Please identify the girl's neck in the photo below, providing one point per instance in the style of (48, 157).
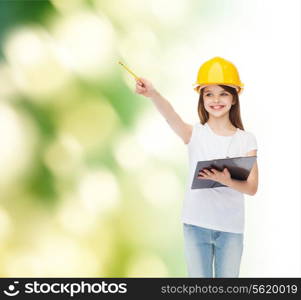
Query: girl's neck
(222, 125)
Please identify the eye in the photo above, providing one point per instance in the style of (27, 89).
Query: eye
(224, 94)
(208, 94)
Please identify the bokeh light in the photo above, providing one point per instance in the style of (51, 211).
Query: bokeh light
(91, 122)
(88, 54)
(99, 192)
(30, 53)
(17, 144)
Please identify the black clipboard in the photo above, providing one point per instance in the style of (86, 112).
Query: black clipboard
(239, 168)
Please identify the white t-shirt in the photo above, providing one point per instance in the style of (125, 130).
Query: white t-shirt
(220, 208)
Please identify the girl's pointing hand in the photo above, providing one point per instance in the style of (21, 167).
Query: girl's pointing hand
(224, 177)
(144, 87)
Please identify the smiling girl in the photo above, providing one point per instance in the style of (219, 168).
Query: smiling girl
(213, 218)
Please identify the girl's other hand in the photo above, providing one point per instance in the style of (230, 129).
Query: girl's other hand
(145, 88)
(224, 177)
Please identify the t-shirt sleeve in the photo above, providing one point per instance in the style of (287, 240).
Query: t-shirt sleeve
(251, 142)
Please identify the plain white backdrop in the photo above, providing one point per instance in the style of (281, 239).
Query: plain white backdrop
(272, 110)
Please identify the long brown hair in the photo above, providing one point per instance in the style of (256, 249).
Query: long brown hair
(234, 114)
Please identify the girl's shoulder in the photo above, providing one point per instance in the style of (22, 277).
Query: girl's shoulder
(249, 139)
(247, 133)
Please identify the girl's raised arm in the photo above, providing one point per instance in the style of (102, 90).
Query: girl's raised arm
(182, 129)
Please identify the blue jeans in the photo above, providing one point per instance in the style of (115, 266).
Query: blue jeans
(203, 246)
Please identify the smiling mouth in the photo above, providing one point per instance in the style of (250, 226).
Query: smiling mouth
(217, 107)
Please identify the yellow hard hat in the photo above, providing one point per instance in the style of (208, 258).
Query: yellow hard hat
(218, 71)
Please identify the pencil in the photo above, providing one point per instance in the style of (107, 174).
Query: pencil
(131, 72)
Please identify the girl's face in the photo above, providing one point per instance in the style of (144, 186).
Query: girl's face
(217, 101)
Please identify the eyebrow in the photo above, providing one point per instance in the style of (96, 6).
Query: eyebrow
(211, 91)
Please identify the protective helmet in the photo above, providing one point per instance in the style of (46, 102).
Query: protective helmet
(218, 71)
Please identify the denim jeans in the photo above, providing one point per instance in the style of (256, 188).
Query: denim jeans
(205, 248)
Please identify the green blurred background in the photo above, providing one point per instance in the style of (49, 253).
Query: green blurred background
(92, 178)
